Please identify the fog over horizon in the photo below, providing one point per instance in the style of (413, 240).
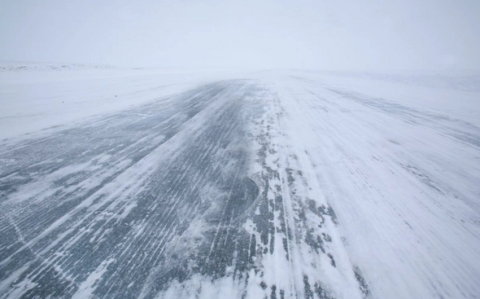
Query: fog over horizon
(305, 34)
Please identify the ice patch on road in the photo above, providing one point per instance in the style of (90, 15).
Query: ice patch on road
(86, 288)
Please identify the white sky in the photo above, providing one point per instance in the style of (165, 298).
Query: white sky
(313, 34)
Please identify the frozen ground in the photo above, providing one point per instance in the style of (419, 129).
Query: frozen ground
(264, 185)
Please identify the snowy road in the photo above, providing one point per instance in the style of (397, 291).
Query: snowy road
(281, 186)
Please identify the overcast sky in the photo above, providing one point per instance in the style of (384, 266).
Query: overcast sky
(310, 34)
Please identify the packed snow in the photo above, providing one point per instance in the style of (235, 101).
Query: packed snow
(154, 183)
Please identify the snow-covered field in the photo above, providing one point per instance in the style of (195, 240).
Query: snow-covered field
(40, 96)
(144, 183)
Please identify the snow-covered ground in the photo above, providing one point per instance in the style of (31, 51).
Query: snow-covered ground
(272, 184)
(37, 96)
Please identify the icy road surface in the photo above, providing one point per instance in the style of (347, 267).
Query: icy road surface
(286, 186)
